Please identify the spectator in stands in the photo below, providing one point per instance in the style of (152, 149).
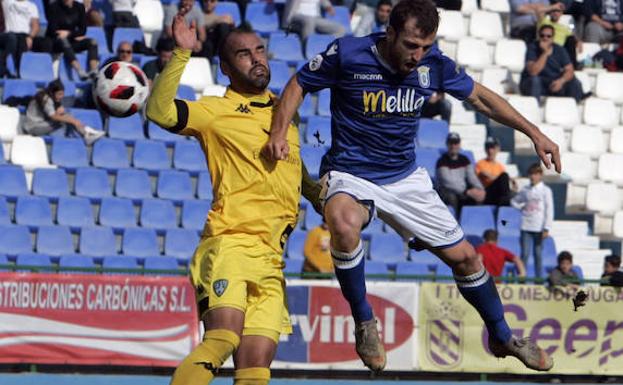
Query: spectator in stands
(123, 15)
(605, 21)
(305, 17)
(562, 274)
(494, 257)
(456, 178)
(563, 36)
(216, 26)
(21, 26)
(612, 276)
(437, 105)
(317, 251)
(374, 16)
(524, 15)
(165, 48)
(124, 53)
(493, 176)
(194, 15)
(66, 34)
(95, 18)
(537, 214)
(548, 69)
(45, 114)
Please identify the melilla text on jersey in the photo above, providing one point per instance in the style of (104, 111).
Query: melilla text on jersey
(405, 102)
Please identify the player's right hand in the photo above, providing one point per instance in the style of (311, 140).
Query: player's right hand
(276, 148)
(548, 151)
(185, 36)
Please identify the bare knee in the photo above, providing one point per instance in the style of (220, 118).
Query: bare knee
(345, 220)
(255, 352)
(462, 258)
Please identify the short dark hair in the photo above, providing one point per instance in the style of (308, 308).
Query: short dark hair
(613, 260)
(55, 86)
(565, 256)
(242, 28)
(547, 26)
(490, 235)
(165, 44)
(535, 168)
(384, 2)
(424, 11)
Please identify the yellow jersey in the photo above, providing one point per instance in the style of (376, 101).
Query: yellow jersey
(252, 196)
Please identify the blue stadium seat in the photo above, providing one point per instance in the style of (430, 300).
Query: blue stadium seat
(155, 132)
(158, 214)
(15, 240)
(228, 8)
(293, 266)
(69, 153)
(186, 92)
(204, 186)
(121, 263)
(263, 17)
(510, 243)
(4, 261)
(549, 252)
(110, 154)
(387, 247)
(175, 185)
(317, 43)
(140, 242)
(16, 90)
(37, 66)
(33, 211)
(412, 268)
(324, 102)
(5, 215)
(296, 245)
(151, 155)
(285, 47)
(91, 118)
(311, 157)
(2, 160)
(221, 78)
(318, 131)
(99, 35)
(76, 261)
(33, 259)
(425, 257)
(51, 183)
(279, 75)
(376, 226)
(75, 212)
(475, 240)
(427, 158)
(374, 268)
(92, 183)
(476, 219)
(146, 59)
(306, 109)
(129, 129)
(508, 221)
(189, 156)
(133, 184)
(97, 241)
(117, 213)
(160, 263)
(342, 16)
(432, 133)
(443, 270)
(12, 182)
(126, 34)
(312, 218)
(54, 241)
(181, 243)
(195, 214)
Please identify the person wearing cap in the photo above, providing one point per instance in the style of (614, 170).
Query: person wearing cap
(493, 176)
(457, 183)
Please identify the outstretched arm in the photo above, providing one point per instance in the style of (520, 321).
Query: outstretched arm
(277, 147)
(494, 106)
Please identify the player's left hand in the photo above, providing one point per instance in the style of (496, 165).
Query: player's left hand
(548, 151)
(276, 148)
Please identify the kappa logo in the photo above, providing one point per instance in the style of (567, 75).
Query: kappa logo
(243, 108)
(444, 337)
(219, 286)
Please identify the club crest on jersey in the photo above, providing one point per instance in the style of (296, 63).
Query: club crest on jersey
(424, 76)
(315, 63)
(219, 286)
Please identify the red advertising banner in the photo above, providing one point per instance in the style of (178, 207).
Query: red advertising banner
(96, 319)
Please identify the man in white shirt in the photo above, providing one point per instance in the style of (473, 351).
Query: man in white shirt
(21, 19)
(537, 214)
(305, 17)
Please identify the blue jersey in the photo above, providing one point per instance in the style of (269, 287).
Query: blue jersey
(374, 111)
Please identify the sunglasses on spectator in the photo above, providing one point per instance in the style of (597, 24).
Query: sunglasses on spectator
(543, 35)
(125, 51)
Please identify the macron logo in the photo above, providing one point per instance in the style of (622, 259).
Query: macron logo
(368, 76)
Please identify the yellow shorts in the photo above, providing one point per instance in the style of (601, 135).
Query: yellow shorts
(241, 272)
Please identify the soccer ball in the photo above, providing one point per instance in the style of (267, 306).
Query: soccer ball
(120, 89)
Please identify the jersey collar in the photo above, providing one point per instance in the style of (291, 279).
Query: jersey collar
(264, 99)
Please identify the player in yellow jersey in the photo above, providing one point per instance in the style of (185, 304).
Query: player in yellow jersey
(237, 267)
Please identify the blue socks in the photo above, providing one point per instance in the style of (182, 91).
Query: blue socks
(480, 291)
(349, 269)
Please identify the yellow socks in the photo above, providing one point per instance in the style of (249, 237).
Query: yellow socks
(252, 376)
(199, 366)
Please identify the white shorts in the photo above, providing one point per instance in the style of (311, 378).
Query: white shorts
(410, 206)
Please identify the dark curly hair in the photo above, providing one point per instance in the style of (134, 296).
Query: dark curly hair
(424, 11)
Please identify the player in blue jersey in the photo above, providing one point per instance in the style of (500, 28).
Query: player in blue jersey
(378, 86)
